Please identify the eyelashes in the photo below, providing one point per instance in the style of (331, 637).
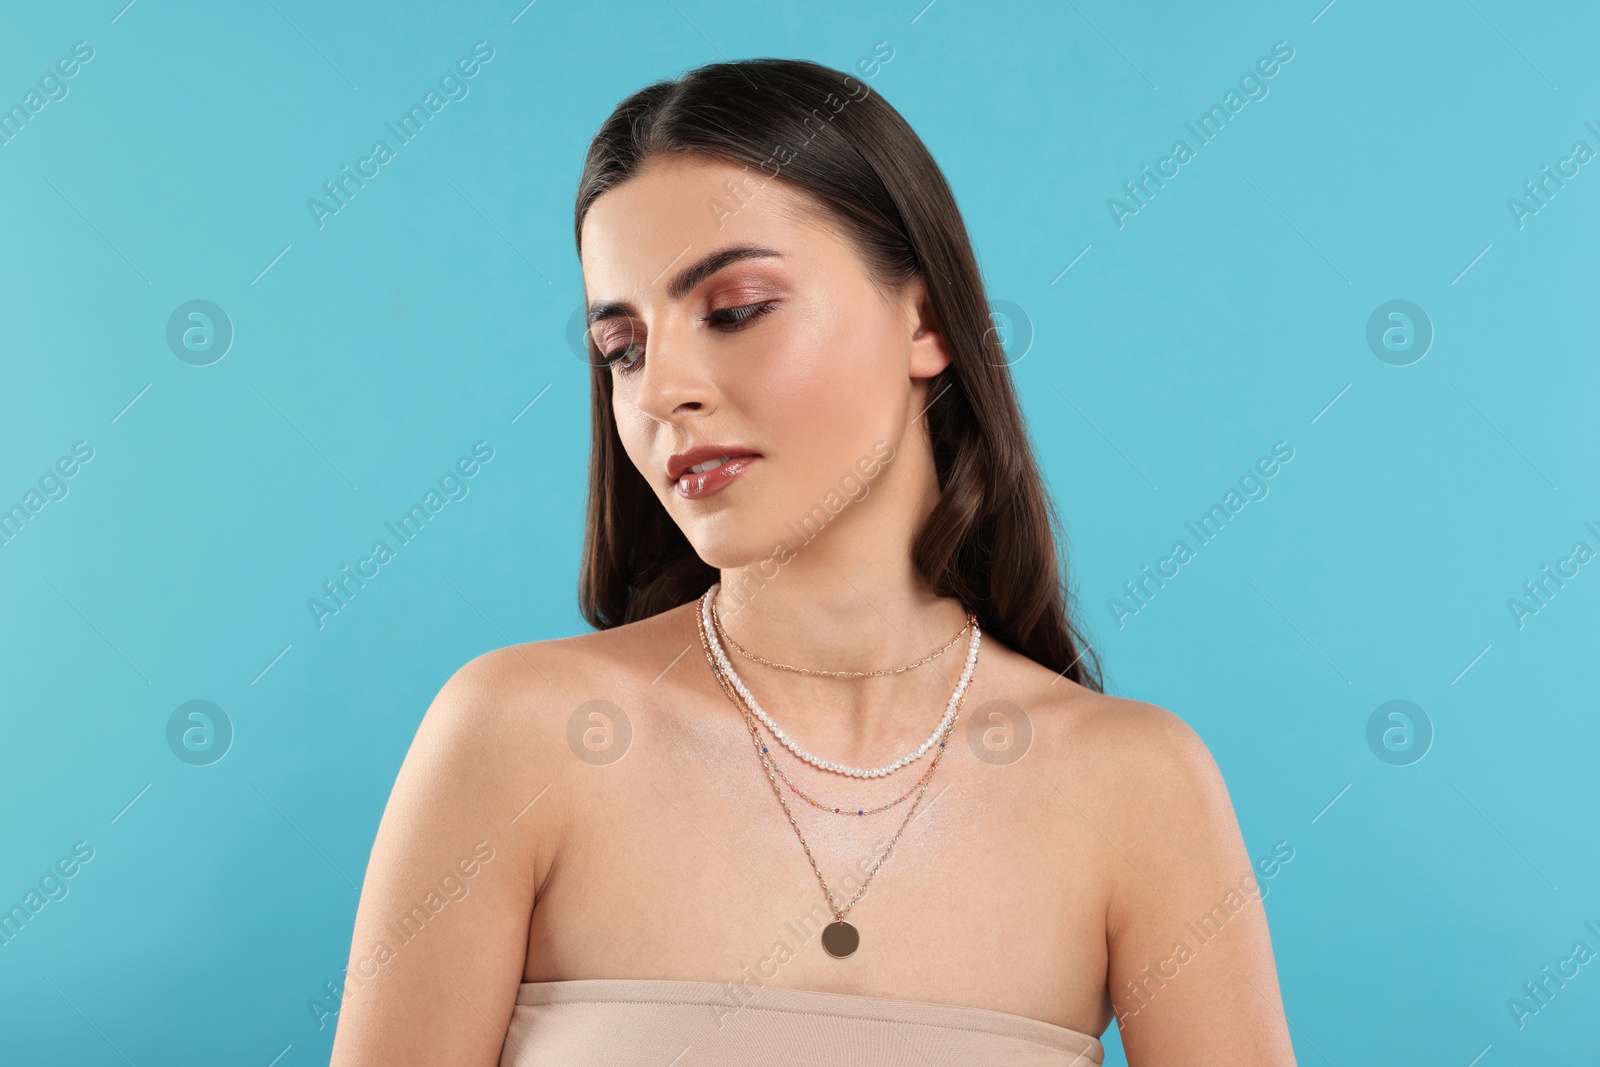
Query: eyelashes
(736, 317)
(727, 320)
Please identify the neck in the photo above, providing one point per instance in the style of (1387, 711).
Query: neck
(869, 618)
(865, 619)
(847, 596)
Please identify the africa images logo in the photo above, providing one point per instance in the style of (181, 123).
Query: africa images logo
(1205, 128)
(453, 485)
(452, 86)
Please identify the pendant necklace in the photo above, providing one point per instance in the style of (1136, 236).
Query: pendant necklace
(840, 938)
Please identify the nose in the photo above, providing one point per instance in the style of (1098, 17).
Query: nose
(675, 379)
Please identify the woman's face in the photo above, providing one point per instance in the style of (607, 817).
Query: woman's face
(738, 325)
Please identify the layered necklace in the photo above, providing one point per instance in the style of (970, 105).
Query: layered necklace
(840, 938)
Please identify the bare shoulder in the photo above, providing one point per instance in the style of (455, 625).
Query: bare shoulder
(511, 707)
(1129, 747)
(533, 685)
(466, 844)
(491, 753)
(1140, 774)
(1183, 897)
(487, 748)
(1152, 778)
(1159, 758)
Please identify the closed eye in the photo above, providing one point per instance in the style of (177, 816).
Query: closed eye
(728, 320)
(735, 318)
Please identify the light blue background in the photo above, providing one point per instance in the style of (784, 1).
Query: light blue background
(1228, 314)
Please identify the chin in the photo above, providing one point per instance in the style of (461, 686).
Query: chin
(724, 542)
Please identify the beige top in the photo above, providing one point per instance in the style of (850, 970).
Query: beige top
(620, 1021)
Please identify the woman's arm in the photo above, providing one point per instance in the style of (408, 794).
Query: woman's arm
(1192, 977)
(441, 931)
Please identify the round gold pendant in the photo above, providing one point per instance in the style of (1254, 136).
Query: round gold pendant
(840, 938)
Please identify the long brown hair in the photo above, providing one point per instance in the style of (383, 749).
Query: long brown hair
(990, 541)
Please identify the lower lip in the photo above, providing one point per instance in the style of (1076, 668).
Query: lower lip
(696, 486)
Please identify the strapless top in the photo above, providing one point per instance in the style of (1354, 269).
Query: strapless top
(621, 1021)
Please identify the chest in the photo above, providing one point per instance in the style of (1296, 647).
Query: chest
(677, 861)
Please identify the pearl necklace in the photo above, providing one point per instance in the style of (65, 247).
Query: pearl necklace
(789, 743)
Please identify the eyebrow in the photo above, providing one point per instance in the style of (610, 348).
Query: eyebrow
(686, 279)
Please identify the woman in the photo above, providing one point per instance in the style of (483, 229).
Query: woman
(809, 471)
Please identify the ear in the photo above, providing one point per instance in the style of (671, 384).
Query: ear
(929, 354)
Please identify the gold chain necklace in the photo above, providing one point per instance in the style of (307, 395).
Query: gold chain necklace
(839, 938)
(722, 632)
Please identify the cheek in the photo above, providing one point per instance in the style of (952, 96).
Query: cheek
(633, 429)
(828, 382)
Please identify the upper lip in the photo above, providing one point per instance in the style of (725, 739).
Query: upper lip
(678, 463)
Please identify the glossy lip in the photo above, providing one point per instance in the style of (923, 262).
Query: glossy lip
(712, 482)
(678, 463)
